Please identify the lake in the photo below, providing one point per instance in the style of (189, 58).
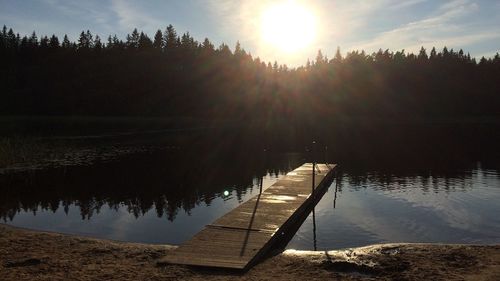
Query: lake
(166, 194)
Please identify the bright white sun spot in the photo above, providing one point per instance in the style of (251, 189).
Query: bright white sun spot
(288, 26)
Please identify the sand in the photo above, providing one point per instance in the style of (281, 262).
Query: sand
(35, 255)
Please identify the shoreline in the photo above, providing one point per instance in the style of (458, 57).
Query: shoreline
(38, 255)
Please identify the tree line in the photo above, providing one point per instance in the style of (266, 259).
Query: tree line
(177, 76)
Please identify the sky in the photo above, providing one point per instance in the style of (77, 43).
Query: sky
(370, 25)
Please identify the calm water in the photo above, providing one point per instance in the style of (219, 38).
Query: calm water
(462, 206)
(166, 196)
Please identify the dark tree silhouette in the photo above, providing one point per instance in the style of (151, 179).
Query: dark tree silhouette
(176, 76)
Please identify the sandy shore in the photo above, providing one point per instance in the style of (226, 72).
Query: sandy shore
(33, 255)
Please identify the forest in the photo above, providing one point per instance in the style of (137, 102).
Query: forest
(342, 101)
(175, 75)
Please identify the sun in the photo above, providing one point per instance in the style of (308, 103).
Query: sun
(288, 26)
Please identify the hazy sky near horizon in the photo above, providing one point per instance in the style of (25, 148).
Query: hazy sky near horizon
(473, 25)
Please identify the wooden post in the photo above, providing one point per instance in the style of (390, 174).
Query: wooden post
(336, 187)
(326, 152)
(261, 183)
(314, 231)
(314, 166)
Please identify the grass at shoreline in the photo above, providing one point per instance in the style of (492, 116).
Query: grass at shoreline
(15, 150)
(46, 126)
(95, 125)
(29, 140)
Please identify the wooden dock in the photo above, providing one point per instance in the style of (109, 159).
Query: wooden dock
(242, 236)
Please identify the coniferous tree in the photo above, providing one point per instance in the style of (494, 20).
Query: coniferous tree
(337, 59)
(133, 39)
(170, 38)
(144, 41)
(90, 39)
(158, 40)
(109, 44)
(83, 41)
(433, 54)
(44, 42)
(24, 45)
(11, 39)
(238, 51)
(33, 40)
(54, 42)
(207, 45)
(97, 43)
(3, 37)
(66, 44)
(320, 59)
(117, 43)
(445, 53)
(422, 55)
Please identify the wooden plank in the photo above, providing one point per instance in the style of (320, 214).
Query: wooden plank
(221, 247)
(240, 237)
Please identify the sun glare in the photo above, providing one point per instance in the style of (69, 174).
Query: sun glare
(288, 26)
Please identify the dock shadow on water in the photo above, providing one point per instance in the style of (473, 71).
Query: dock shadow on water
(250, 223)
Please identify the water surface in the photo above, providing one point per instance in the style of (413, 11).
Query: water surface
(167, 195)
(459, 206)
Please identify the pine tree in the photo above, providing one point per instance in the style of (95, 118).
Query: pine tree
(133, 39)
(207, 45)
(54, 42)
(97, 43)
(399, 56)
(24, 45)
(185, 41)
(11, 40)
(117, 43)
(90, 40)
(3, 37)
(109, 44)
(337, 59)
(170, 38)
(44, 42)
(433, 54)
(238, 51)
(66, 44)
(224, 50)
(33, 40)
(483, 61)
(320, 59)
(144, 41)
(422, 55)
(445, 53)
(83, 41)
(158, 40)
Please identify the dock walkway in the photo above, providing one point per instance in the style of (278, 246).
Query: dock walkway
(239, 238)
